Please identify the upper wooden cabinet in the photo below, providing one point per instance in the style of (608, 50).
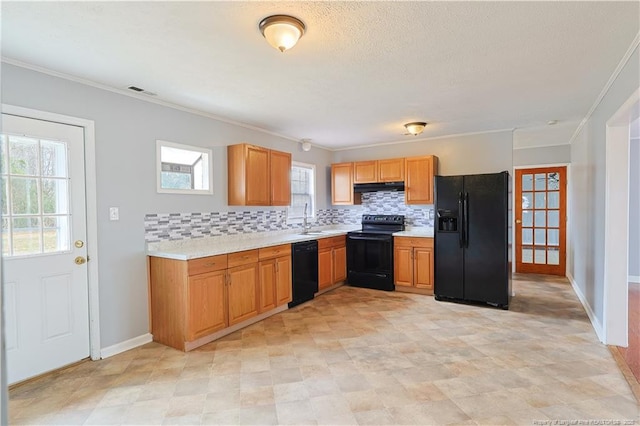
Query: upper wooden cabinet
(391, 170)
(258, 176)
(342, 183)
(280, 178)
(416, 172)
(365, 171)
(418, 181)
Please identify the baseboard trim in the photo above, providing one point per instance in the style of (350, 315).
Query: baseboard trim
(597, 327)
(634, 279)
(188, 346)
(125, 346)
(328, 289)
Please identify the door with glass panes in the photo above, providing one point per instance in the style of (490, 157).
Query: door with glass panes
(541, 220)
(44, 251)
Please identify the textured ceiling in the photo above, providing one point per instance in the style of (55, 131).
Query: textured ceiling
(361, 70)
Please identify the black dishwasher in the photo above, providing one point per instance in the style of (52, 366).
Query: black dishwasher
(305, 271)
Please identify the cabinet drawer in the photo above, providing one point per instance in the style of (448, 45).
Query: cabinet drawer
(331, 242)
(207, 264)
(275, 251)
(242, 258)
(414, 241)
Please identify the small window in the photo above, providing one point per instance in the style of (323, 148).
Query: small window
(183, 169)
(303, 191)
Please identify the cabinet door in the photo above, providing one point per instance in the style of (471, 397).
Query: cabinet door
(423, 268)
(325, 268)
(339, 264)
(419, 180)
(391, 170)
(342, 183)
(280, 178)
(206, 311)
(283, 280)
(267, 285)
(243, 293)
(257, 176)
(365, 171)
(403, 266)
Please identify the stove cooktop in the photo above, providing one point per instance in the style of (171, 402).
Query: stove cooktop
(382, 223)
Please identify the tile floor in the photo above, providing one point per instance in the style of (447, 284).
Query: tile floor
(358, 356)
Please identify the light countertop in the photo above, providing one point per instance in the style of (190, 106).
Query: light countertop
(423, 232)
(202, 247)
(211, 246)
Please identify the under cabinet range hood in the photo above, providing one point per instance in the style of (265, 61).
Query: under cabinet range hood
(380, 186)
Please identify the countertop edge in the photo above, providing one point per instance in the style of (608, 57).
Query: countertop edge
(189, 253)
(420, 232)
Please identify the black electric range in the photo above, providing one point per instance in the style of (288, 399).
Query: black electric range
(370, 252)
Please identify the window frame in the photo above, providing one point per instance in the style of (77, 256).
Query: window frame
(198, 149)
(311, 216)
(9, 216)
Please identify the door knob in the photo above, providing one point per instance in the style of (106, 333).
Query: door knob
(518, 221)
(80, 260)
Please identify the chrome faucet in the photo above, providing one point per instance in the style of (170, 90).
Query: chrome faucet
(305, 225)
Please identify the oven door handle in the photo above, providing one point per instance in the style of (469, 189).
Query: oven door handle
(384, 238)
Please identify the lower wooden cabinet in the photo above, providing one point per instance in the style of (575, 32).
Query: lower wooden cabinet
(206, 304)
(413, 264)
(267, 285)
(283, 280)
(193, 299)
(275, 277)
(243, 292)
(332, 261)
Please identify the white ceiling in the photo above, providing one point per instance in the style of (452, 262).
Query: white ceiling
(361, 71)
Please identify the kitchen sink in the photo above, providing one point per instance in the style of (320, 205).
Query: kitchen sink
(312, 233)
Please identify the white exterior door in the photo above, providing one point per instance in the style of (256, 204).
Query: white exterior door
(43, 246)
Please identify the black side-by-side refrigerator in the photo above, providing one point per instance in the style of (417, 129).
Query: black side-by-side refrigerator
(471, 239)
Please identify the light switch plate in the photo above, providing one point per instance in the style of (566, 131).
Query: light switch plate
(114, 213)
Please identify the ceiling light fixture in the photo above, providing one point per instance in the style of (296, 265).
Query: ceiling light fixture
(416, 127)
(282, 31)
(305, 144)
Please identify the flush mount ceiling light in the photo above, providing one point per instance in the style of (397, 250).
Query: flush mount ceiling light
(282, 31)
(415, 128)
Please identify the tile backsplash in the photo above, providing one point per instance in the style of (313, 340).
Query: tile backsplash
(178, 226)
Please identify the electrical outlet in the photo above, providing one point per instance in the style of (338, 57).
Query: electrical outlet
(114, 213)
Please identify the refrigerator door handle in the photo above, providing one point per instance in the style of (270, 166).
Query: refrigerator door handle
(466, 219)
(461, 219)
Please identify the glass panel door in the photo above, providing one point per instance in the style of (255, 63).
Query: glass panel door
(541, 220)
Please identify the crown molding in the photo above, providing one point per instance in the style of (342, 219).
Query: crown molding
(605, 89)
(542, 146)
(145, 98)
(455, 135)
